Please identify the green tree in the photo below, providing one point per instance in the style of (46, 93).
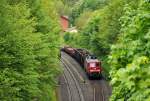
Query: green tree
(28, 50)
(47, 52)
(130, 57)
(86, 5)
(18, 77)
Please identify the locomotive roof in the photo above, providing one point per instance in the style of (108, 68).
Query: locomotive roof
(91, 56)
(92, 60)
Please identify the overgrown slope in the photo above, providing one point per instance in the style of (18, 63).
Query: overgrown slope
(29, 37)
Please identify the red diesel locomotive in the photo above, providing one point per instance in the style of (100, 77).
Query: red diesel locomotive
(89, 62)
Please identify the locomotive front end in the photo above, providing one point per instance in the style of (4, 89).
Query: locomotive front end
(93, 67)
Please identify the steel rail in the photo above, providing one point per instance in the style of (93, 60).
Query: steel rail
(103, 97)
(75, 70)
(68, 88)
(76, 82)
(94, 96)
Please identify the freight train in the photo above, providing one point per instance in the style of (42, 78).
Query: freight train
(88, 61)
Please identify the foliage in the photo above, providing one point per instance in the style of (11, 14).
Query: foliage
(130, 56)
(45, 12)
(119, 34)
(104, 27)
(83, 20)
(86, 5)
(70, 2)
(28, 50)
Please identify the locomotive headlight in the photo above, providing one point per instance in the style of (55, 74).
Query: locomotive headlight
(92, 70)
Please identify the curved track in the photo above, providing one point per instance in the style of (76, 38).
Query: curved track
(77, 87)
(68, 88)
(74, 88)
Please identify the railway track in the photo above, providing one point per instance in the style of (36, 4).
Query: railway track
(68, 88)
(81, 79)
(98, 91)
(74, 89)
(102, 96)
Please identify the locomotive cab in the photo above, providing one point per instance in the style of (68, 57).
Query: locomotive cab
(92, 66)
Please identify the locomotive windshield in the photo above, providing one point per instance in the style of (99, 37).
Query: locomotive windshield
(91, 57)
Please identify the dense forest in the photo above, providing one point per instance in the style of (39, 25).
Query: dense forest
(117, 31)
(29, 40)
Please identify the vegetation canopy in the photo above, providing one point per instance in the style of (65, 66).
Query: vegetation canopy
(117, 31)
